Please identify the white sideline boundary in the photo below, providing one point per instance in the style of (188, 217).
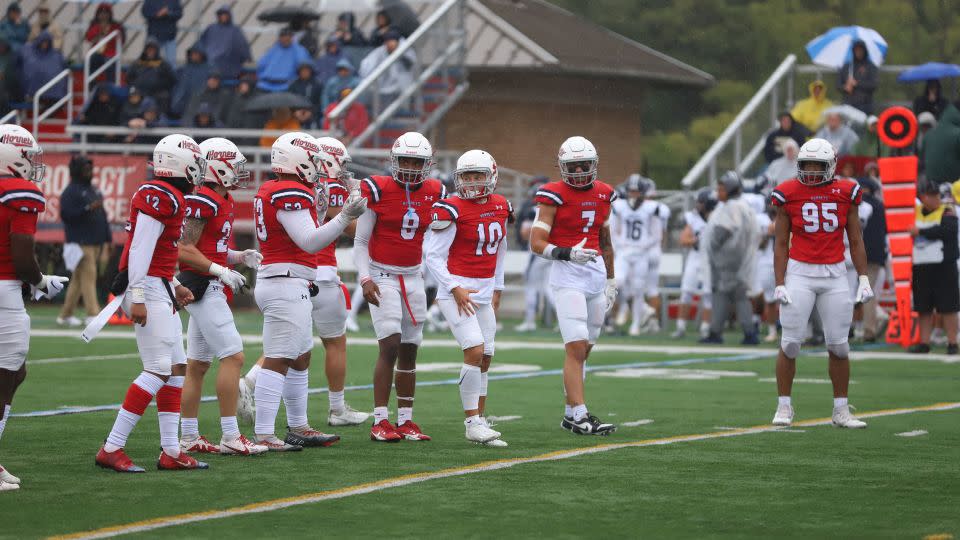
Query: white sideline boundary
(380, 485)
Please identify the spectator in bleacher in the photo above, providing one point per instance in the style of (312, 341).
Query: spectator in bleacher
(283, 120)
(306, 118)
(277, 68)
(225, 44)
(788, 129)
(351, 123)
(333, 87)
(383, 26)
(39, 63)
(837, 133)
(152, 74)
(131, 106)
(347, 32)
(325, 66)
(307, 86)
(931, 99)
(306, 35)
(925, 123)
(857, 79)
(941, 147)
(809, 111)
(217, 97)
(151, 116)
(44, 22)
(402, 17)
(9, 75)
(14, 28)
(784, 167)
(191, 79)
(875, 243)
(162, 17)
(205, 118)
(100, 27)
(869, 144)
(399, 75)
(101, 110)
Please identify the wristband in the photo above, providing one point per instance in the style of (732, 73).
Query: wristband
(365, 280)
(137, 295)
(216, 269)
(557, 253)
(175, 282)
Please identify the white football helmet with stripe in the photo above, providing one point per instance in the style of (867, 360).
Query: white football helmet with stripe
(475, 161)
(20, 155)
(816, 151)
(416, 146)
(179, 156)
(334, 160)
(297, 154)
(578, 153)
(225, 163)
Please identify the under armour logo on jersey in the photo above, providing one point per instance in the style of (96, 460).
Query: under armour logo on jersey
(603, 197)
(835, 190)
(428, 198)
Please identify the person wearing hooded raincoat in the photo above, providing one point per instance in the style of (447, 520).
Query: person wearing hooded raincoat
(941, 148)
(277, 68)
(857, 79)
(40, 62)
(809, 111)
(333, 87)
(226, 46)
(191, 78)
(152, 75)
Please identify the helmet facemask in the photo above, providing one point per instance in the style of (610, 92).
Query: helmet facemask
(817, 176)
(579, 173)
(474, 183)
(34, 156)
(410, 174)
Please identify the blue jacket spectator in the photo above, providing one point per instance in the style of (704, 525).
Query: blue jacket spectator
(9, 74)
(13, 28)
(278, 66)
(152, 75)
(347, 32)
(150, 116)
(326, 66)
(217, 97)
(191, 78)
(345, 78)
(40, 62)
(226, 47)
(162, 17)
(84, 220)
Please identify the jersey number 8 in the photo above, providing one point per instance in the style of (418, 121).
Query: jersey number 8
(819, 217)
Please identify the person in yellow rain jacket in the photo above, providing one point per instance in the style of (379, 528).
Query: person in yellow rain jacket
(809, 111)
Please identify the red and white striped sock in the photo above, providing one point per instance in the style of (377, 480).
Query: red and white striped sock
(139, 395)
(168, 412)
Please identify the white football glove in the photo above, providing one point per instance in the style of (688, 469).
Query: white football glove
(611, 293)
(582, 256)
(230, 278)
(782, 296)
(251, 258)
(49, 287)
(354, 206)
(864, 291)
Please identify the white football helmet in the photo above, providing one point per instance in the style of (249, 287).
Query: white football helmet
(179, 156)
(475, 161)
(818, 151)
(225, 164)
(20, 155)
(578, 152)
(334, 158)
(411, 145)
(298, 154)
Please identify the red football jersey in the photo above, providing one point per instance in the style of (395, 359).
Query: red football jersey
(275, 245)
(580, 212)
(397, 238)
(21, 202)
(164, 203)
(336, 195)
(818, 217)
(217, 211)
(481, 227)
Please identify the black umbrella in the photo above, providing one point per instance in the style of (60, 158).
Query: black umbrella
(278, 100)
(285, 14)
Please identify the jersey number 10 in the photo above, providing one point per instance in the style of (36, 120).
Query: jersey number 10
(819, 217)
(496, 235)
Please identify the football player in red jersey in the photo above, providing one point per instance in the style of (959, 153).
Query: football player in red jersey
(465, 249)
(21, 169)
(388, 252)
(211, 332)
(572, 228)
(813, 212)
(146, 285)
(285, 215)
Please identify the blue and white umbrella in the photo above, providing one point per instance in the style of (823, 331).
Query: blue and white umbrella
(835, 48)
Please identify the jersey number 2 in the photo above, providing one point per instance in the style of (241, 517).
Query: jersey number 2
(496, 235)
(819, 217)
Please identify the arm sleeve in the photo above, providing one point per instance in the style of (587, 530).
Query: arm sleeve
(361, 243)
(304, 232)
(501, 263)
(145, 236)
(437, 247)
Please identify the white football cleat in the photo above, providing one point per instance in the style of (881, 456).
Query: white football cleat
(678, 333)
(526, 326)
(480, 433)
(352, 325)
(241, 446)
(5, 476)
(843, 418)
(4, 486)
(497, 443)
(246, 406)
(69, 321)
(622, 314)
(348, 416)
(784, 415)
(634, 330)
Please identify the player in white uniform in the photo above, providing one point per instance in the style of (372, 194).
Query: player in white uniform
(764, 302)
(692, 282)
(636, 231)
(652, 280)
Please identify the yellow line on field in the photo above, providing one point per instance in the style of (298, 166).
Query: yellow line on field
(368, 487)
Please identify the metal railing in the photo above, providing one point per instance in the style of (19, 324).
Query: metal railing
(114, 62)
(12, 117)
(67, 100)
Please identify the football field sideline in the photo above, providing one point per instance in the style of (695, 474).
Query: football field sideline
(485, 466)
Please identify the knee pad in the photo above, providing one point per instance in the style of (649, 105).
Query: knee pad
(841, 350)
(790, 348)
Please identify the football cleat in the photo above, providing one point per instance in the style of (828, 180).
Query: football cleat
(352, 325)
(241, 446)
(6, 486)
(411, 432)
(496, 443)
(307, 436)
(678, 333)
(347, 416)
(480, 433)
(843, 418)
(590, 425)
(784, 415)
(567, 423)
(5, 476)
(274, 444)
(117, 461)
(384, 432)
(526, 326)
(200, 445)
(183, 462)
(246, 406)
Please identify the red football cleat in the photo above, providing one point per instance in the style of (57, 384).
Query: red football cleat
(183, 462)
(411, 432)
(117, 461)
(384, 432)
